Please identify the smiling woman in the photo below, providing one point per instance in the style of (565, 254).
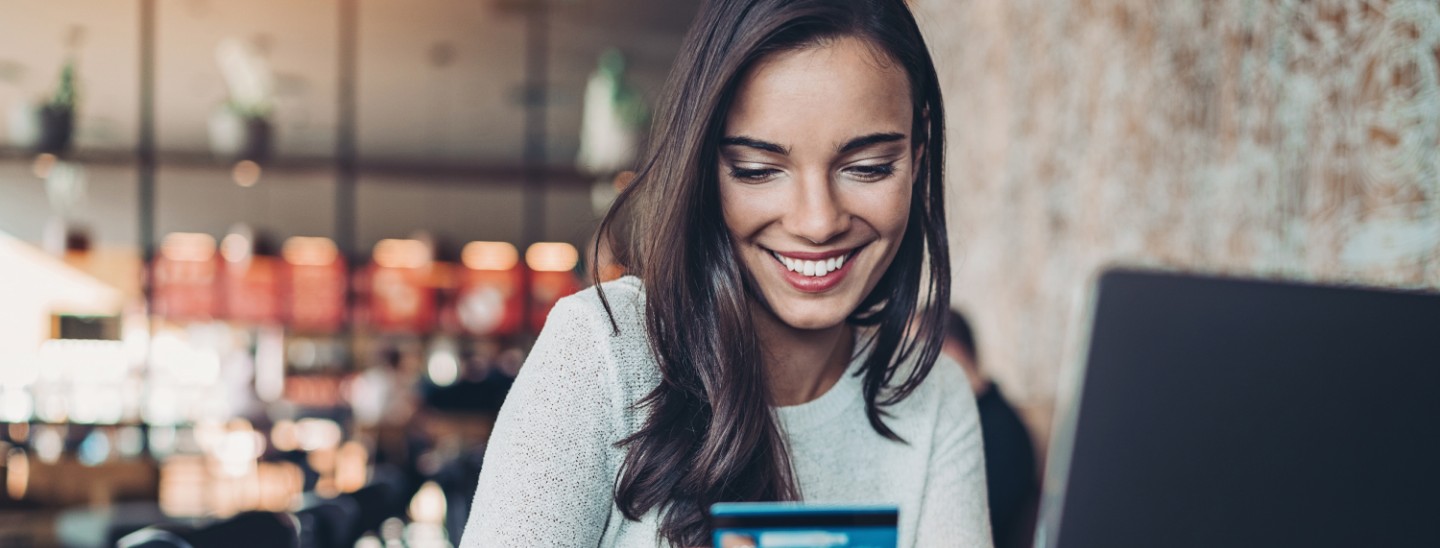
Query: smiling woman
(787, 234)
(816, 173)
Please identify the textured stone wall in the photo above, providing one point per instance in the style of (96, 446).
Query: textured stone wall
(1280, 138)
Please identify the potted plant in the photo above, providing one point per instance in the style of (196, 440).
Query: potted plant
(57, 116)
(239, 133)
(240, 127)
(48, 127)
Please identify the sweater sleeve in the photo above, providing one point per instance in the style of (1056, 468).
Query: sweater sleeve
(954, 511)
(548, 474)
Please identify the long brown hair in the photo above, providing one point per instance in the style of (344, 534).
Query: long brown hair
(711, 433)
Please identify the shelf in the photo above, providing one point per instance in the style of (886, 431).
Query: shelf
(440, 173)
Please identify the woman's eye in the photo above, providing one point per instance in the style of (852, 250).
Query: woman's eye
(745, 174)
(871, 173)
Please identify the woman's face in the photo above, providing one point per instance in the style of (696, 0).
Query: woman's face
(816, 167)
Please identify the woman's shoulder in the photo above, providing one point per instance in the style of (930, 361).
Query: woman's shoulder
(610, 343)
(625, 296)
(947, 378)
(945, 389)
(613, 311)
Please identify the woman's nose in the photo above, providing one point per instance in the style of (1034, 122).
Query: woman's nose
(817, 214)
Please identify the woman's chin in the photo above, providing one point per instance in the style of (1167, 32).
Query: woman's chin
(809, 312)
(811, 320)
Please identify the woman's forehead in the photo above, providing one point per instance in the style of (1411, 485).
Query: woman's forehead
(836, 89)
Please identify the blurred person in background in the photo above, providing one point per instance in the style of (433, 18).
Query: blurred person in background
(1010, 472)
(784, 226)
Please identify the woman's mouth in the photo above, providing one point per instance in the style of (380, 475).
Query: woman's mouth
(812, 271)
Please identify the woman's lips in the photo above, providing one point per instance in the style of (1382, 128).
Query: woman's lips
(814, 271)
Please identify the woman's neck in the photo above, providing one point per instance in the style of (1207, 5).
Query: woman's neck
(801, 364)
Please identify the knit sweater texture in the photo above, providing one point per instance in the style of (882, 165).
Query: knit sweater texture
(551, 463)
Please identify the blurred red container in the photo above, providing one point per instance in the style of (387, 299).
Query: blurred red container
(490, 300)
(313, 287)
(184, 277)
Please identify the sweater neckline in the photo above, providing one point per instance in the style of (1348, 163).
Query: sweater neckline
(846, 392)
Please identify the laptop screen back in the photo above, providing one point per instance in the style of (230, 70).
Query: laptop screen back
(1219, 412)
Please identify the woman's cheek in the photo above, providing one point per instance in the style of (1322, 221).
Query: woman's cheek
(747, 210)
(885, 206)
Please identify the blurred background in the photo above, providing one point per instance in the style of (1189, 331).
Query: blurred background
(275, 256)
(272, 264)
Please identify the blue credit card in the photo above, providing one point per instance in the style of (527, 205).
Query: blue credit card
(799, 525)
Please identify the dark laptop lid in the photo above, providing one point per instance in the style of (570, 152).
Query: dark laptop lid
(1222, 412)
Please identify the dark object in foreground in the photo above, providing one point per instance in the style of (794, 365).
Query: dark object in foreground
(244, 530)
(326, 523)
(1223, 412)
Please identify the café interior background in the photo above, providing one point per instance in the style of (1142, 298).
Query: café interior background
(1279, 138)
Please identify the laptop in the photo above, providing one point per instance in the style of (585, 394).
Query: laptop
(1227, 412)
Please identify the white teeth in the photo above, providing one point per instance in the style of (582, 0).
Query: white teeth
(811, 268)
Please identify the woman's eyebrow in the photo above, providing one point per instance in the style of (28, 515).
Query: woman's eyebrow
(743, 141)
(867, 140)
